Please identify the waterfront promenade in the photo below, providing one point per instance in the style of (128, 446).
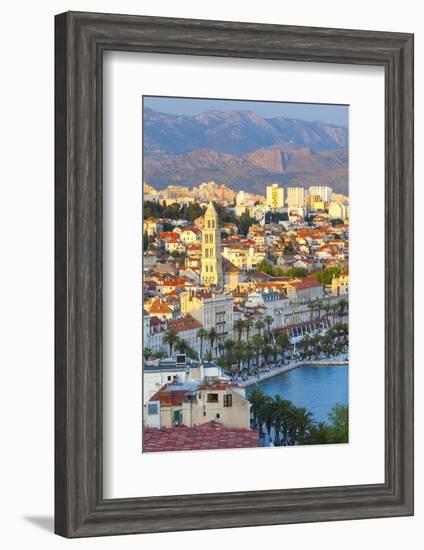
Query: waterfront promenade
(275, 371)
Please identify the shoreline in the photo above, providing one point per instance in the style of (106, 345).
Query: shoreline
(281, 370)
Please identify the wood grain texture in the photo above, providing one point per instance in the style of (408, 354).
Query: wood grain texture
(81, 39)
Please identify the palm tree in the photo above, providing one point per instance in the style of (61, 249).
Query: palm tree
(170, 338)
(327, 308)
(268, 320)
(259, 325)
(229, 345)
(247, 326)
(283, 342)
(305, 343)
(312, 307)
(257, 346)
(147, 353)
(342, 307)
(334, 309)
(239, 327)
(208, 357)
(212, 337)
(257, 398)
(280, 411)
(319, 434)
(320, 307)
(239, 353)
(266, 352)
(181, 346)
(275, 352)
(249, 354)
(201, 334)
(315, 342)
(303, 422)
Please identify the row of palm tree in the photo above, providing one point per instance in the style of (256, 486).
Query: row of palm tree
(289, 425)
(244, 326)
(263, 349)
(282, 420)
(173, 341)
(333, 342)
(337, 310)
(258, 351)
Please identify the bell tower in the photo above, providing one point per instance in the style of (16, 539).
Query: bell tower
(211, 269)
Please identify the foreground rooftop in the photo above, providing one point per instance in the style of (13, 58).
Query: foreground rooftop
(211, 435)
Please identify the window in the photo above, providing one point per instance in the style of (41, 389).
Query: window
(228, 400)
(212, 398)
(152, 409)
(169, 378)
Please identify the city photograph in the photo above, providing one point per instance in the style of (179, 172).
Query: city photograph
(245, 274)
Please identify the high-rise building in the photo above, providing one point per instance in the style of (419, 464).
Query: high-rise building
(295, 197)
(275, 196)
(211, 267)
(314, 202)
(323, 191)
(337, 210)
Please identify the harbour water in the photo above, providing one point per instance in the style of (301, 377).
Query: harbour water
(316, 388)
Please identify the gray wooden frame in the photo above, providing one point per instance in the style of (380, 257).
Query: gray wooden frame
(80, 40)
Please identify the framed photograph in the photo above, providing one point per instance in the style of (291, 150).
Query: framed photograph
(234, 274)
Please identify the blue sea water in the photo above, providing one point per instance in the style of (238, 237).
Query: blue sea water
(313, 387)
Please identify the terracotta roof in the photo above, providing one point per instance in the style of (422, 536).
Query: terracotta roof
(184, 323)
(305, 283)
(158, 307)
(170, 398)
(204, 437)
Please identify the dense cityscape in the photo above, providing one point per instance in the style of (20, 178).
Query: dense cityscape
(239, 289)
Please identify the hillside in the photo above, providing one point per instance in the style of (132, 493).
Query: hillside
(243, 150)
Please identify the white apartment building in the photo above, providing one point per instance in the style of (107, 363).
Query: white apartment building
(295, 197)
(210, 310)
(275, 196)
(337, 210)
(323, 191)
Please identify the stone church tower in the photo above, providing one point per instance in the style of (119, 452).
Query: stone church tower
(211, 269)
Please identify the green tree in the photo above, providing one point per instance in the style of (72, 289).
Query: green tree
(247, 326)
(339, 423)
(259, 326)
(145, 241)
(244, 222)
(257, 346)
(147, 352)
(283, 342)
(257, 399)
(208, 357)
(212, 338)
(170, 338)
(201, 334)
(268, 320)
(239, 327)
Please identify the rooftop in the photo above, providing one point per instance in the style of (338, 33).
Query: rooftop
(211, 435)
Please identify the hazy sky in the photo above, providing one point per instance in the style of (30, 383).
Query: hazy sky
(332, 114)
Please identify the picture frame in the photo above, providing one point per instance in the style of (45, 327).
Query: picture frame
(80, 41)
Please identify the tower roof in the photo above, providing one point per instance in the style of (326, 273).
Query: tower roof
(210, 210)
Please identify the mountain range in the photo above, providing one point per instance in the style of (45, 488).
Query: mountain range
(243, 150)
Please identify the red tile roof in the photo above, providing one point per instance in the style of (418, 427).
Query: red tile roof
(184, 323)
(207, 436)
